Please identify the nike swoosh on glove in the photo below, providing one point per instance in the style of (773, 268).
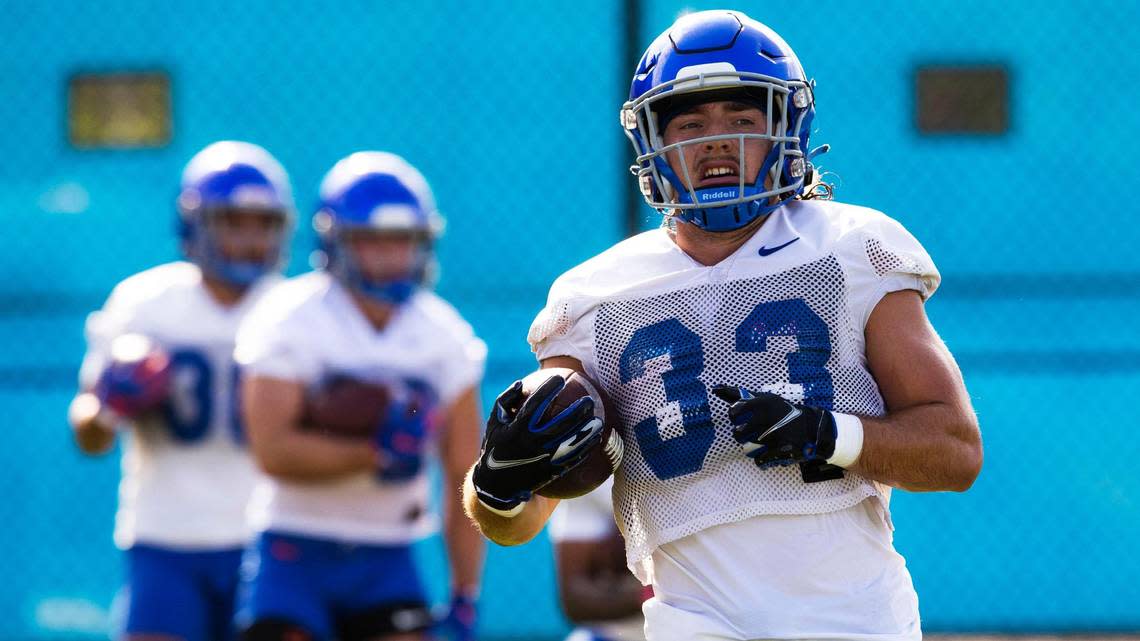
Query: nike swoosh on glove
(773, 431)
(523, 451)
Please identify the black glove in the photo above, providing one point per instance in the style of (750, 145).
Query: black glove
(773, 431)
(521, 452)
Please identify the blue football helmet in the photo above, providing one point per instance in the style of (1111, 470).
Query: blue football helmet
(225, 176)
(379, 192)
(721, 55)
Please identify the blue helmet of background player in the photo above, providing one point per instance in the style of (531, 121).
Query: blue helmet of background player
(230, 178)
(377, 194)
(720, 55)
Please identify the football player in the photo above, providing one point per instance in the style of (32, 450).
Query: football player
(160, 362)
(337, 516)
(770, 358)
(595, 587)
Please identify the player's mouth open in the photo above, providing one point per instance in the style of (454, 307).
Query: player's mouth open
(717, 174)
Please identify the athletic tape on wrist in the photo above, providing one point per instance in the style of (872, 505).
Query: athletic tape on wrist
(511, 513)
(848, 440)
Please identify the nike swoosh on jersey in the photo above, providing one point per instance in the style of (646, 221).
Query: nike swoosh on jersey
(768, 251)
(499, 464)
(788, 418)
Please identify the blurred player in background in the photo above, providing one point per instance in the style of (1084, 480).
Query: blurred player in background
(770, 357)
(337, 515)
(595, 587)
(160, 360)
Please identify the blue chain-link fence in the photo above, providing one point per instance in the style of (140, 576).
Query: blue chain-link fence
(510, 109)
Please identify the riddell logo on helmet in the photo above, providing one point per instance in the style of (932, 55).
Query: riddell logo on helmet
(717, 195)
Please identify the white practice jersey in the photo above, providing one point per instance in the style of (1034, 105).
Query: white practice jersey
(590, 518)
(785, 313)
(308, 330)
(833, 576)
(186, 473)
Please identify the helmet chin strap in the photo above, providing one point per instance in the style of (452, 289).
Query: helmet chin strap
(392, 291)
(240, 274)
(739, 211)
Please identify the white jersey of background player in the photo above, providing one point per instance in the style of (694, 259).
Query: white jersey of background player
(769, 356)
(307, 330)
(366, 317)
(595, 588)
(160, 359)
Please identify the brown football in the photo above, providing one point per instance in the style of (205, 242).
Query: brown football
(345, 407)
(604, 455)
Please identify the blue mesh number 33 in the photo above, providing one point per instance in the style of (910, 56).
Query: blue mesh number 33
(683, 453)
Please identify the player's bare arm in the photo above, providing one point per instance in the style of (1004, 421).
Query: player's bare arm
(272, 410)
(594, 584)
(568, 362)
(132, 384)
(458, 447)
(514, 530)
(929, 440)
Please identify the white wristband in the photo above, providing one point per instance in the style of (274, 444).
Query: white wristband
(510, 514)
(848, 440)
